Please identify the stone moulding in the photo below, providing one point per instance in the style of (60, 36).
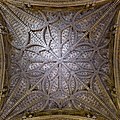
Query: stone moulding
(57, 3)
(60, 117)
(2, 62)
(117, 59)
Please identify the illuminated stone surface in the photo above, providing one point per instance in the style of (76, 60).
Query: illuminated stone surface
(59, 59)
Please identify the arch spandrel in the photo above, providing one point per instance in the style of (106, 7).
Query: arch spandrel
(60, 61)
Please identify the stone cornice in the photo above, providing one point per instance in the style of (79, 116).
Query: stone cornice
(57, 3)
(59, 117)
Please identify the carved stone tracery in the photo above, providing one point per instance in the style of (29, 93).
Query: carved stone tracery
(59, 60)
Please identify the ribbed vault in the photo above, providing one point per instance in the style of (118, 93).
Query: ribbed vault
(59, 61)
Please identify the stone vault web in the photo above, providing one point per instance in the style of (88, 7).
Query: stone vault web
(59, 59)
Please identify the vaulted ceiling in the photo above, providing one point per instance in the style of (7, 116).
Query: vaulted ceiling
(59, 60)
